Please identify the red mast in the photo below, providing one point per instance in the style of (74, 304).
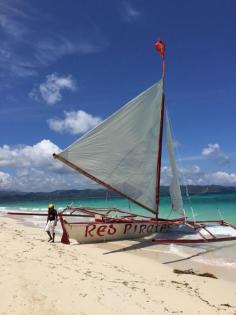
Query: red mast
(160, 47)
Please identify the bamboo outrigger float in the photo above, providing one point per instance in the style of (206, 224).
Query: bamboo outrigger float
(124, 155)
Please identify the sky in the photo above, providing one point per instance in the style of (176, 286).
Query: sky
(67, 65)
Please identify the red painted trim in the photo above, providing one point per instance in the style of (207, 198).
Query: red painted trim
(203, 239)
(92, 212)
(206, 221)
(228, 224)
(206, 229)
(45, 214)
(118, 221)
(27, 213)
(158, 169)
(95, 179)
(64, 238)
(187, 241)
(202, 236)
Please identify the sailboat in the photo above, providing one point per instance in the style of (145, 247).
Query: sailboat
(124, 155)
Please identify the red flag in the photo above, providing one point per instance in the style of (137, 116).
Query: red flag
(160, 47)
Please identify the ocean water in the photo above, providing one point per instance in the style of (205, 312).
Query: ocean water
(201, 207)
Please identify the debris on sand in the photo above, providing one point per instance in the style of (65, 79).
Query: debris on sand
(191, 272)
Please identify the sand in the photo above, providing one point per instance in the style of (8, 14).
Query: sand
(37, 277)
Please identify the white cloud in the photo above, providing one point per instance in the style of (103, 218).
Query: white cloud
(32, 168)
(38, 155)
(22, 70)
(211, 150)
(194, 175)
(176, 144)
(75, 122)
(51, 90)
(191, 158)
(221, 178)
(49, 50)
(14, 31)
(5, 181)
(11, 27)
(13, 64)
(42, 46)
(12, 20)
(35, 179)
(129, 13)
(214, 152)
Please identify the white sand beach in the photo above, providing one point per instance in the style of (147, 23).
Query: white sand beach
(38, 277)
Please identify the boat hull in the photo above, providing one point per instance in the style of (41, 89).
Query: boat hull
(165, 232)
(92, 232)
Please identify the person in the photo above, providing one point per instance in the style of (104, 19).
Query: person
(51, 222)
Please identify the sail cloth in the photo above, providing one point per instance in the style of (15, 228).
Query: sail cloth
(175, 192)
(122, 151)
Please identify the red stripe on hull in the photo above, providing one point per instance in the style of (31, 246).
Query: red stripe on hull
(188, 241)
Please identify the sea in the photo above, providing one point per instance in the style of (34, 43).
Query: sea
(207, 206)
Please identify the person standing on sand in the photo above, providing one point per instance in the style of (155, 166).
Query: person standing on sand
(51, 222)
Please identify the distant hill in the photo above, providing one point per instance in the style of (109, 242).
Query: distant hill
(9, 196)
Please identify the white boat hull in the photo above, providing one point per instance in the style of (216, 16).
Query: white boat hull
(165, 232)
(102, 232)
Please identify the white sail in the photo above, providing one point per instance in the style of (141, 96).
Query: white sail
(122, 151)
(175, 192)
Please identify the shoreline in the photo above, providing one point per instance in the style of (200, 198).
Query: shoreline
(144, 248)
(38, 277)
(173, 261)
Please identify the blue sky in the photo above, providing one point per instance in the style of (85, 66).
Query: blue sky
(65, 66)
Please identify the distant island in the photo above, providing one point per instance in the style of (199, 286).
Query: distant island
(6, 196)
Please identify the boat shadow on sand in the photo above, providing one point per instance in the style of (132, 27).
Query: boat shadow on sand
(206, 249)
(143, 243)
